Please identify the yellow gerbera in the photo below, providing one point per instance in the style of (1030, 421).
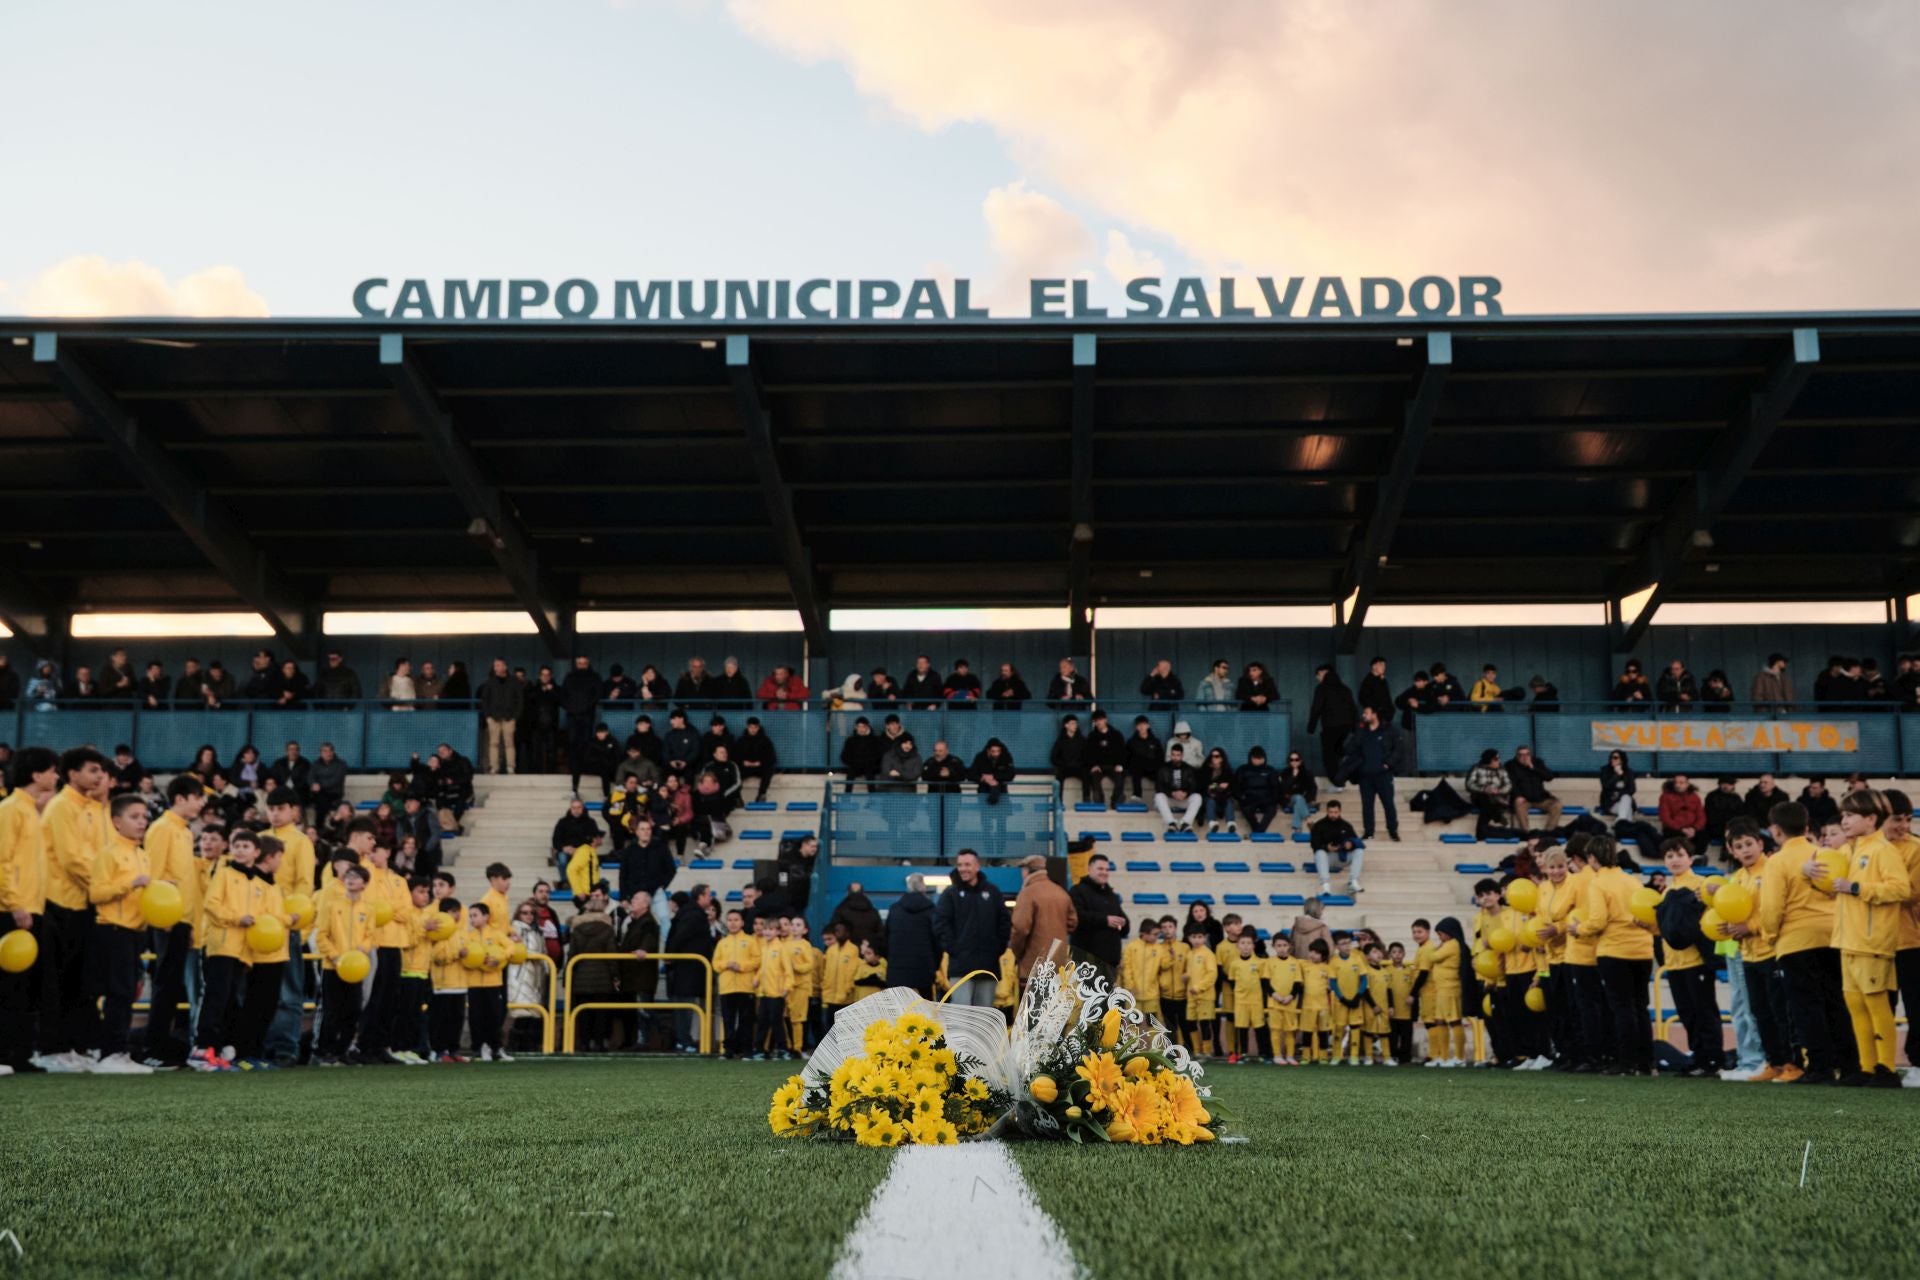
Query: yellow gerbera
(1103, 1077)
(1135, 1111)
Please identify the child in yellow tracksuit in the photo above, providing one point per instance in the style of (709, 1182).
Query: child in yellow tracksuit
(870, 975)
(120, 871)
(1377, 1005)
(225, 915)
(1006, 993)
(449, 1007)
(1173, 980)
(837, 968)
(1140, 962)
(803, 961)
(1225, 952)
(1399, 1006)
(416, 971)
(1316, 1002)
(771, 986)
(1440, 1001)
(1202, 972)
(268, 967)
(486, 984)
(345, 924)
(1347, 1003)
(1286, 979)
(736, 965)
(1246, 973)
(1868, 901)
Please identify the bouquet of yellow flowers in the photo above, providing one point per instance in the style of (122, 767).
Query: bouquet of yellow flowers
(906, 1085)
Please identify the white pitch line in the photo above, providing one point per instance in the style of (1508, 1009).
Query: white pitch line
(955, 1213)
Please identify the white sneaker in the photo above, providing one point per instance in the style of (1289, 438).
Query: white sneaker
(1912, 1079)
(119, 1064)
(1739, 1075)
(1353, 887)
(1436, 1062)
(503, 1056)
(1325, 888)
(68, 1063)
(486, 1053)
(5, 1070)
(408, 1058)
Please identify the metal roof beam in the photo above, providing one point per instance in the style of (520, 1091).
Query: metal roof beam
(493, 522)
(1362, 578)
(808, 596)
(212, 528)
(1080, 540)
(27, 611)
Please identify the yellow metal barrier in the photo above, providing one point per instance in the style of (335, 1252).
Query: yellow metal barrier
(704, 1010)
(547, 1010)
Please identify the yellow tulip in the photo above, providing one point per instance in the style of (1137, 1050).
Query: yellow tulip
(1074, 1113)
(1203, 1135)
(1110, 1029)
(1044, 1089)
(1120, 1131)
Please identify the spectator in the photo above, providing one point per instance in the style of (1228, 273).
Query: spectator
(598, 758)
(501, 699)
(1178, 785)
(427, 683)
(923, 687)
(1632, 687)
(943, 772)
(1106, 762)
(1772, 688)
(414, 823)
(1333, 837)
(861, 918)
(883, 692)
(1372, 755)
(1310, 928)
(680, 745)
(155, 692)
(1256, 786)
(1191, 747)
(783, 691)
(263, 680)
(1616, 787)
(1100, 923)
(459, 685)
(327, 779)
(1333, 716)
(695, 687)
(860, 753)
(637, 934)
(690, 933)
(1216, 690)
(679, 797)
(206, 762)
(1145, 755)
(1162, 685)
(716, 736)
(756, 757)
(1490, 790)
(544, 703)
(1068, 687)
(216, 685)
(118, 683)
(850, 696)
(992, 770)
(636, 767)
(619, 688)
(711, 805)
(652, 692)
(45, 690)
(1256, 689)
(247, 772)
(1906, 683)
(1722, 805)
(1683, 813)
(1069, 756)
(1822, 808)
(1297, 793)
(972, 926)
(961, 688)
(1417, 699)
(1043, 917)
(125, 770)
(293, 685)
(1008, 692)
(1874, 685)
(1447, 692)
(82, 688)
(731, 684)
(1486, 690)
(1761, 797)
(1374, 690)
(1676, 689)
(902, 763)
(337, 682)
(291, 772)
(1716, 695)
(592, 933)
(646, 865)
(580, 699)
(1217, 782)
(912, 950)
(399, 686)
(1546, 698)
(1529, 776)
(721, 765)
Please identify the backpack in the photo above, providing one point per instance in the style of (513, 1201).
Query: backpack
(1441, 803)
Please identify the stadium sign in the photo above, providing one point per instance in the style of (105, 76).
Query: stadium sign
(1770, 736)
(921, 301)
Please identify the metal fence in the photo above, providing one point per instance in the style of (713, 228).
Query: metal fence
(370, 734)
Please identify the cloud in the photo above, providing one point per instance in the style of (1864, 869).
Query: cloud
(1637, 155)
(91, 286)
(1034, 236)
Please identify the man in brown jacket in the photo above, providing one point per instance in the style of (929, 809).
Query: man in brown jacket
(1310, 926)
(1042, 915)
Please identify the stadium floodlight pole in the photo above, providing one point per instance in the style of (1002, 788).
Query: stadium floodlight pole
(1685, 535)
(1369, 551)
(804, 582)
(490, 520)
(1080, 546)
(207, 522)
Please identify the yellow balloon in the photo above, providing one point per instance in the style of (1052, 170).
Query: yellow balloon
(1523, 896)
(299, 909)
(353, 967)
(1486, 1006)
(1502, 940)
(1734, 902)
(440, 926)
(1712, 926)
(475, 957)
(1833, 862)
(1530, 935)
(518, 955)
(266, 934)
(1707, 889)
(1640, 906)
(161, 904)
(18, 950)
(1536, 1000)
(1487, 965)
(382, 911)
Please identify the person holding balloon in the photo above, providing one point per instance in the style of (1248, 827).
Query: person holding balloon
(392, 904)
(23, 904)
(226, 915)
(170, 853)
(483, 953)
(75, 826)
(1623, 951)
(267, 953)
(114, 887)
(1796, 912)
(1766, 994)
(343, 936)
(1689, 932)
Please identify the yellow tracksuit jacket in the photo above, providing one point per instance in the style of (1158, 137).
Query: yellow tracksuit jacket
(1867, 923)
(169, 846)
(388, 886)
(1173, 974)
(1580, 949)
(229, 899)
(742, 949)
(23, 856)
(1908, 921)
(1202, 973)
(297, 862)
(76, 830)
(1795, 914)
(448, 973)
(1617, 935)
(869, 978)
(1140, 972)
(1556, 900)
(416, 959)
(1006, 993)
(345, 924)
(775, 977)
(1756, 946)
(1400, 992)
(499, 918)
(486, 975)
(1245, 973)
(110, 885)
(836, 973)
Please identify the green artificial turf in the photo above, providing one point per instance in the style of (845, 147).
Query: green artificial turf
(665, 1167)
(1484, 1175)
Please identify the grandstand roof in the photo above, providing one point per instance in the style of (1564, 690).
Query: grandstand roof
(298, 464)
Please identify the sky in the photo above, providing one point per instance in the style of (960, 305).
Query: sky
(260, 159)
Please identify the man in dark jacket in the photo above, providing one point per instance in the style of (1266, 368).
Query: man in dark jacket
(1256, 787)
(1100, 921)
(1375, 692)
(1372, 754)
(689, 934)
(292, 772)
(913, 952)
(695, 687)
(1145, 755)
(1178, 791)
(680, 745)
(155, 692)
(263, 681)
(501, 697)
(337, 682)
(923, 686)
(943, 771)
(646, 865)
(637, 933)
(543, 722)
(972, 925)
(1332, 715)
(575, 828)
(327, 780)
(580, 699)
(1068, 688)
(1106, 761)
(730, 686)
(1529, 776)
(862, 918)
(1162, 685)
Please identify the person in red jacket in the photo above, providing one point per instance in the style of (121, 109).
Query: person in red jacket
(1683, 813)
(783, 690)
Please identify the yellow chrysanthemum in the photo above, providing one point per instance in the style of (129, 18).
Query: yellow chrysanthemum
(875, 1128)
(943, 1061)
(975, 1088)
(934, 1131)
(1103, 1077)
(926, 1102)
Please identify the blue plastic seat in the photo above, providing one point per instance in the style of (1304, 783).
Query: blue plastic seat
(1302, 837)
(1096, 835)
(707, 864)
(1231, 868)
(743, 864)
(797, 833)
(1223, 837)
(1130, 806)
(1143, 866)
(799, 806)
(761, 806)
(1188, 899)
(1182, 837)
(1243, 899)
(734, 895)
(1474, 868)
(1276, 868)
(1149, 899)
(1286, 900)
(1457, 837)
(761, 834)
(1186, 868)
(1089, 806)
(1269, 837)
(1336, 900)
(1136, 837)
